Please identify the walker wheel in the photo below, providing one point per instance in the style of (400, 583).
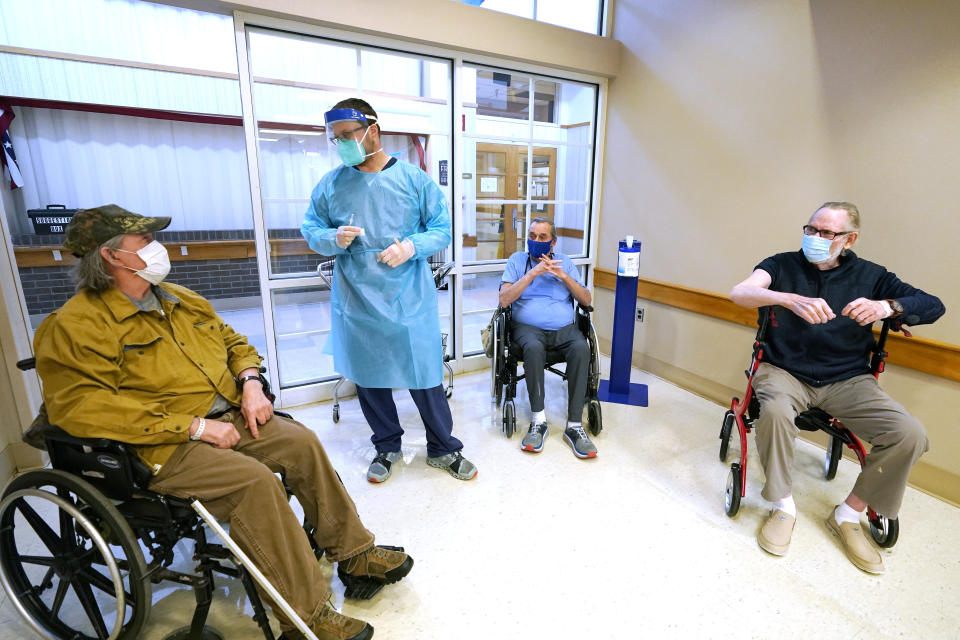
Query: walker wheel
(336, 413)
(725, 431)
(884, 531)
(731, 496)
(832, 460)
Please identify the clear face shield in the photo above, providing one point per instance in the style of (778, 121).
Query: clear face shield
(346, 131)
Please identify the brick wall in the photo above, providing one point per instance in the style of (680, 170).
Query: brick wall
(47, 288)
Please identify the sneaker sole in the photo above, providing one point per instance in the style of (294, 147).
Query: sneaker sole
(376, 480)
(531, 448)
(773, 549)
(582, 456)
(452, 472)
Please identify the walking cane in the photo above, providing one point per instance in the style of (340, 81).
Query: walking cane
(242, 558)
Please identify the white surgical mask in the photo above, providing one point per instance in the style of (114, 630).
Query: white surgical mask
(157, 260)
(817, 249)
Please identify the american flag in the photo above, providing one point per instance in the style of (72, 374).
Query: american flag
(8, 158)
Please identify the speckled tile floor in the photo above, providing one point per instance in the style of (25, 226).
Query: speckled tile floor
(634, 543)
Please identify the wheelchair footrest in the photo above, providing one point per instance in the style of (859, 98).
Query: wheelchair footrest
(360, 588)
(363, 587)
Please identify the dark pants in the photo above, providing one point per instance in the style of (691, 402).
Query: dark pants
(534, 344)
(381, 413)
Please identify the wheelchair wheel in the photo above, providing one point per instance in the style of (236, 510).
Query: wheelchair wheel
(832, 460)
(509, 419)
(731, 497)
(69, 561)
(725, 431)
(594, 417)
(884, 531)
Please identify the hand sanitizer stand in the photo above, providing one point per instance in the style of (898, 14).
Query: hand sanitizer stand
(619, 388)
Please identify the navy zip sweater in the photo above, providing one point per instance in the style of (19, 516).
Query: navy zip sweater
(819, 354)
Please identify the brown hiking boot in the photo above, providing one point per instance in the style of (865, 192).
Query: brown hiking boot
(333, 625)
(365, 573)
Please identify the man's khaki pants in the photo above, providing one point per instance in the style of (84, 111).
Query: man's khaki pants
(897, 438)
(239, 485)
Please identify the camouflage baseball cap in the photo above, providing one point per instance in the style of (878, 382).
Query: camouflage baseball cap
(92, 227)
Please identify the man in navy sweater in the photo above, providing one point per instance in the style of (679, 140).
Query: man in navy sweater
(818, 355)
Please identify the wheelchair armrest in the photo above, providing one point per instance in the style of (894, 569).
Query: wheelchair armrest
(109, 465)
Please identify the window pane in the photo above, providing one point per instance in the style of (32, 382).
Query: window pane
(571, 224)
(582, 15)
(150, 166)
(522, 8)
(122, 29)
(411, 101)
(493, 231)
(480, 300)
(545, 101)
(575, 167)
(301, 319)
(503, 94)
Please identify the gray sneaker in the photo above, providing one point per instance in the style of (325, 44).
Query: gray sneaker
(454, 464)
(379, 469)
(577, 438)
(533, 441)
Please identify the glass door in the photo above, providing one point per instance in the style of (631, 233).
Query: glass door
(295, 79)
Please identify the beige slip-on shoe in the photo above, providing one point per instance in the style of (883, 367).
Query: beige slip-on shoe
(858, 549)
(774, 536)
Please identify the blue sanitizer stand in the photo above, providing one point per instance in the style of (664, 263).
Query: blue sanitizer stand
(619, 388)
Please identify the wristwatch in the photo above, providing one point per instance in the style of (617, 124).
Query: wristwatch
(243, 379)
(896, 307)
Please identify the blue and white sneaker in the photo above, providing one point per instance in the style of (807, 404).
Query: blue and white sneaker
(576, 437)
(533, 441)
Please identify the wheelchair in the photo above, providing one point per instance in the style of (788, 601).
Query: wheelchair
(506, 357)
(83, 526)
(440, 271)
(743, 414)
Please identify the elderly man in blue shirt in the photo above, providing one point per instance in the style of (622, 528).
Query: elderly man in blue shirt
(541, 286)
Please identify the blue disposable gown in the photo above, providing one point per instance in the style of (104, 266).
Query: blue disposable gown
(385, 329)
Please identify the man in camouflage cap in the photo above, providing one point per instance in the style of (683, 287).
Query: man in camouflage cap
(90, 228)
(139, 360)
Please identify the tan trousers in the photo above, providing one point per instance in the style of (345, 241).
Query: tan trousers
(897, 438)
(239, 485)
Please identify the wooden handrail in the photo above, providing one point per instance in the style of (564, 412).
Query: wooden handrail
(921, 354)
(44, 256)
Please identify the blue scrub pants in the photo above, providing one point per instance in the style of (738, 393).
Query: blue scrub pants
(381, 413)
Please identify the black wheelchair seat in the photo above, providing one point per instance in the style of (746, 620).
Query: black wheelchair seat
(813, 419)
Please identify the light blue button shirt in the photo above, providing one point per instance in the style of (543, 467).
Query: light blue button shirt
(546, 303)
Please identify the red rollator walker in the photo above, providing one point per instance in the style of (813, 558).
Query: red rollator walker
(743, 414)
